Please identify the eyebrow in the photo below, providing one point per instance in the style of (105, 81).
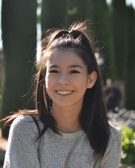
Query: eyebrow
(74, 66)
(71, 66)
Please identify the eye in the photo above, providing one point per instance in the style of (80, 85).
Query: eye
(53, 71)
(74, 71)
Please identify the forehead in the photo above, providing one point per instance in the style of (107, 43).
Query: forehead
(66, 56)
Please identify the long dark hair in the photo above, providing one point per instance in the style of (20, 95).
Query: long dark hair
(93, 116)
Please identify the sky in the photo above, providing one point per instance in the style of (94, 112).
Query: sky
(129, 2)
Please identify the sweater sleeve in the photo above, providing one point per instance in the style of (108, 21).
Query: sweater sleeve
(21, 149)
(112, 155)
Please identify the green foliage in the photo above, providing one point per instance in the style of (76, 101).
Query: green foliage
(128, 145)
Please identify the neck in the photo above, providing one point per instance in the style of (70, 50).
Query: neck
(66, 120)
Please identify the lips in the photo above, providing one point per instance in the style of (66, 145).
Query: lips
(64, 92)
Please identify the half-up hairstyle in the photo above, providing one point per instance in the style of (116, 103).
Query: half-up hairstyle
(93, 116)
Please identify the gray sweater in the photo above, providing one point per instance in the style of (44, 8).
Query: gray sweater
(68, 150)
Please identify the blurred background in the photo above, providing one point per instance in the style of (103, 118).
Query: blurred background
(22, 27)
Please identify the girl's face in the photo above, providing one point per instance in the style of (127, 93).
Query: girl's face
(67, 79)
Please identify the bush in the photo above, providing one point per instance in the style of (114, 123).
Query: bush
(128, 145)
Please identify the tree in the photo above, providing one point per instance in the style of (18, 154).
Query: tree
(99, 14)
(53, 14)
(119, 31)
(76, 11)
(130, 82)
(19, 41)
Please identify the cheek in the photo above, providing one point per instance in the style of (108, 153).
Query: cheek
(49, 81)
(82, 80)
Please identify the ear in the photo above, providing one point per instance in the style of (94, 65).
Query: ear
(92, 79)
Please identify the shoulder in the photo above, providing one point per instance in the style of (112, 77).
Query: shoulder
(23, 119)
(115, 133)
(115, 139)
(112, 154)
(24, 125)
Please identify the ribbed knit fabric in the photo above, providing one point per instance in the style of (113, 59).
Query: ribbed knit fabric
(67, 150)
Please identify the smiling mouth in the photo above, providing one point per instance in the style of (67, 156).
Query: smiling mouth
(64, 92)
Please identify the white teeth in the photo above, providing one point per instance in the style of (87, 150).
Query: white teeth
(64, 92)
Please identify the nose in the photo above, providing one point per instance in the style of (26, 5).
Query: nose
(63, 80)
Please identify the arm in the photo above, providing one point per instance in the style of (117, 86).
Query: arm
(21, 149)
(112, 155)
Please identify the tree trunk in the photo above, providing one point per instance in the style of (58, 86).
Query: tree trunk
(99, 14)
(76, 11)
(120, 37)
(130, 82)
(19, 44)
(53, 14)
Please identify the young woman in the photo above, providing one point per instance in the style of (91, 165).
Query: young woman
(69, 128)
